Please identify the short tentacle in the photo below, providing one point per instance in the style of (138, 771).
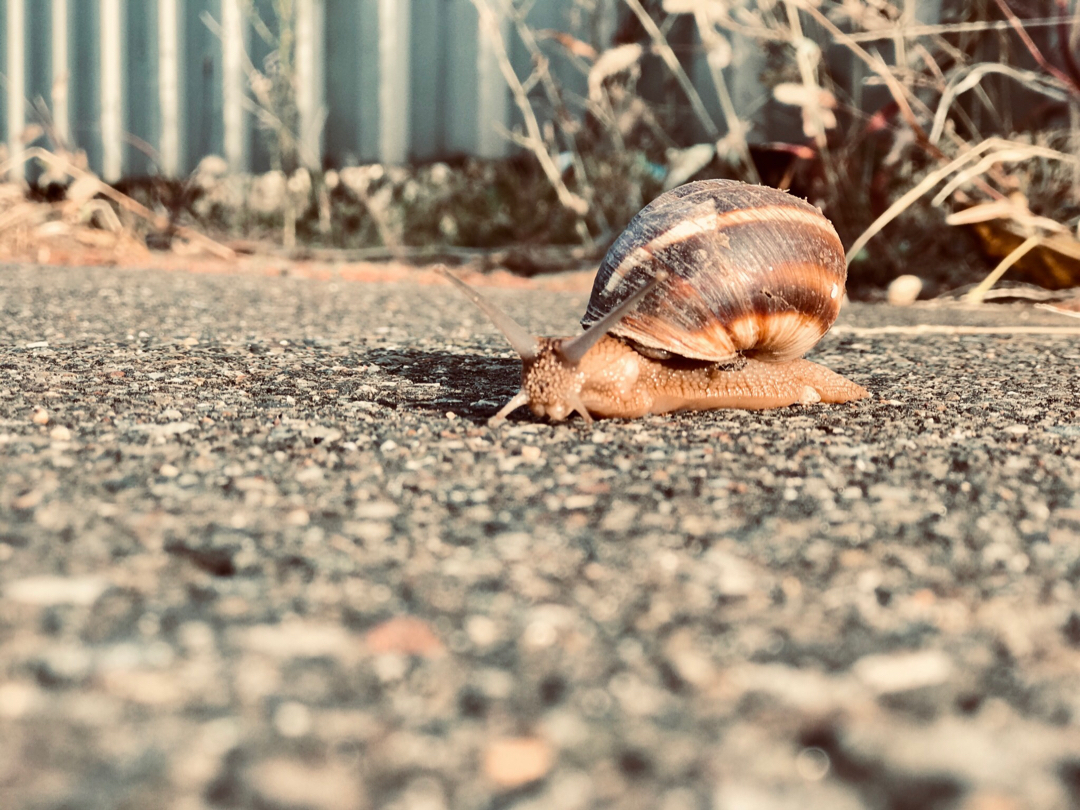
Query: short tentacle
(574, 349)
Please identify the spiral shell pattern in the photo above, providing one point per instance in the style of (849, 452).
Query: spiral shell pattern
(752, 271)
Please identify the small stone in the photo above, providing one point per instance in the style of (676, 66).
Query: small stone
(513, 762)
(989, 800)
(540, 634)
(49, 591)
(177, 428)
(376, 510)
(18, 699)
(692, 666)
(812, 764)
(282, 782)
(321, 434)
(292, 719)
(310, 475)
(40, 417)
(902, 672)
(530, 453)
(28, 500)
(298, 517)
(370, 531)
(904, 290)
(60, 433)
(168, 471)
(482, 631)
(406, 635)
(423, 793)
(579, 502)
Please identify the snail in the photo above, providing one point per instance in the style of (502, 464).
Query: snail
(708, 299)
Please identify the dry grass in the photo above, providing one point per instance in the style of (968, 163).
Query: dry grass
(982, 112)
(925, 143)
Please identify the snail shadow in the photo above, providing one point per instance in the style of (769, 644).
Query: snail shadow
(472, 386)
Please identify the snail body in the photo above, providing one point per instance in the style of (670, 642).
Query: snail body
(708, 299)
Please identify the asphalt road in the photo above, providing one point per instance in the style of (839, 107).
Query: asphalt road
(259, 549)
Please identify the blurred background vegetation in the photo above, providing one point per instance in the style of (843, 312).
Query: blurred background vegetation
(942, 138)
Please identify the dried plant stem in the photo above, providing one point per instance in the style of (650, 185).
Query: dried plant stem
(534, 141)
(1074, 136)
(736, 128)
(976, 295)
(899, 94)
(57, 163)
(1009, 151)
(672, 61)
(923, 186)
(971, 77)
(551, 89)
(803, 50)
(1005, 150)
(1033, 49)
(913, 31)
(263, 105)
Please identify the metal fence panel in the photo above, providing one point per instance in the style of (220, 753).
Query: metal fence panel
(352, 81)
(84, 79)
(153, 86)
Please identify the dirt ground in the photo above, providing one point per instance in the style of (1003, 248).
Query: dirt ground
(259, 549)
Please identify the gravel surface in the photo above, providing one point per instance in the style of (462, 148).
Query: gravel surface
(258, 549)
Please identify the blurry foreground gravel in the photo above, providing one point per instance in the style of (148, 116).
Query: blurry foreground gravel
(258, 549)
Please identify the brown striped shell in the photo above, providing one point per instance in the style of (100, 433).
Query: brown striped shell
(751, 270)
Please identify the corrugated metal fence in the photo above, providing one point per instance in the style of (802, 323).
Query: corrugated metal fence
(142, 82)
(152, 86)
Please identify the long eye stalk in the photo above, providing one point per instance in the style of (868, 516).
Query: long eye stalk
(519, 337)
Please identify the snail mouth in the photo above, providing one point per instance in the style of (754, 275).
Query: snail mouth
(559, 410)
(556, 412)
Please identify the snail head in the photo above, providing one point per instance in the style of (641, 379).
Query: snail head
(551, 380)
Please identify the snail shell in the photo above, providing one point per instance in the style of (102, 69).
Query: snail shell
(751, 271)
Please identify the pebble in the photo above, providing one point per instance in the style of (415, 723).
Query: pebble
(292, 719)
(60, 433)
(904, 290)
(176, 428)
(48, 591)
(377, 510)
(513, 762)
(298, 785)
(482, 631)
(17, 699)
(902, 672)
(812, 764)
(298, 639)
(405, 635)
